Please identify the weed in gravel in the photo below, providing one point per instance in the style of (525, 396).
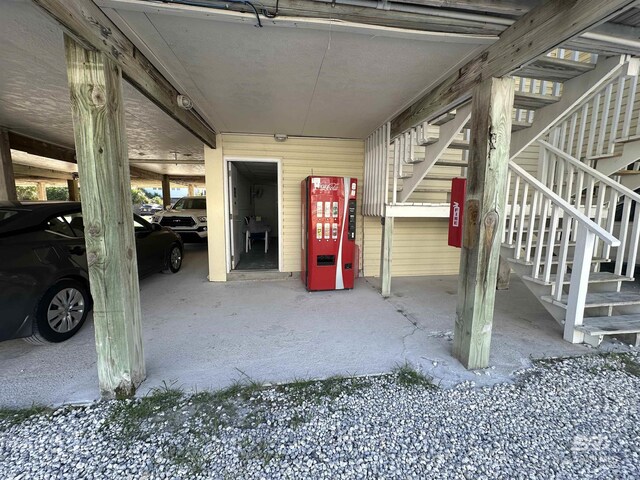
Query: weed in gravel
(11, 416)
(316, 391)
(407, 376)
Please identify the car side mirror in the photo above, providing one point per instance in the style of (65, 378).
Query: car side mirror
(156, 227)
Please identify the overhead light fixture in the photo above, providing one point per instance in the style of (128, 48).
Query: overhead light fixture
(280, 137)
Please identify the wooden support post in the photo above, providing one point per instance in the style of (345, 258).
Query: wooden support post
(191, 190)
(483, 219)
(95, 84)
(385, 257)
(42, 191)
(74, 190)
(7, 179)
(504, 275)
(166, 191)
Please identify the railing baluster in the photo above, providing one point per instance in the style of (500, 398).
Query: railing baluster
(622, 236)
(615, 121)
(581, 131)
(598, 217)
(506, 206)
(523, 217)
(542, 227)
(396, 167)
(631, 99)
(572, 133)
(602, 128)
(532, 223)
(551, 241)
(593, 127)
(562, 257)
(633, 246)
(611, 217)
(514, 204)
(588, 203)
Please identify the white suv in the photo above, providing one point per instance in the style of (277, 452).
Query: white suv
(187, 217)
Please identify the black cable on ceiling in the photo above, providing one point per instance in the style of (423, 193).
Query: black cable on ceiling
(195, 3)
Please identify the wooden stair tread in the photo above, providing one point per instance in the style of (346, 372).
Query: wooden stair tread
(629, 139)
(456, 144)
(429, 190)
(519, 125)
(452, 163)
(610, 325)
(554, 69)
(599, 299)
(442, 119)
(521, 261)
(626, 172)
(594, 277)
(604, 156)
(533, 101)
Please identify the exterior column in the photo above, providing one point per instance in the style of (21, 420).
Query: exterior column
(7, 179)
(74, 190)
(385, 256)
(191, 190)
(42, 191)
(95, 84)
(166, 191)
(217, 221)
(492, 106)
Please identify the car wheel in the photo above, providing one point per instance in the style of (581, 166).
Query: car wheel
(61, 312)
(174, 259)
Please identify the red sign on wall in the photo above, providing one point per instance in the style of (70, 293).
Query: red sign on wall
(458, 192)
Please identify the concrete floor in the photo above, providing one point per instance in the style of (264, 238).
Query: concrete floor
(205, 335)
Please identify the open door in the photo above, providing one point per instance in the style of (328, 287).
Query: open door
(235, 220)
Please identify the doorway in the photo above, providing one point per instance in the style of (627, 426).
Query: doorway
(254, 213)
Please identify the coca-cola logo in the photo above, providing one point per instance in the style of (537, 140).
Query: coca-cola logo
(329, 187)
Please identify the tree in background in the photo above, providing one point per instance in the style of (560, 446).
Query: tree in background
(138, 196)
(27, 193)
(157, 200)
(57, 193)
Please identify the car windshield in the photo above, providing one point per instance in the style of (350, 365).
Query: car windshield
(191, 204)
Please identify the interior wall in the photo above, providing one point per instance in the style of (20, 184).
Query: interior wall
(267, 206)
(242, 196)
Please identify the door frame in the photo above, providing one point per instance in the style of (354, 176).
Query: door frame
(227, 206)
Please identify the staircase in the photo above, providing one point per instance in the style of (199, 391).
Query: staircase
(567, 230)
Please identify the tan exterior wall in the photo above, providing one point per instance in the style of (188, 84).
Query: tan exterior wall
(300, 157)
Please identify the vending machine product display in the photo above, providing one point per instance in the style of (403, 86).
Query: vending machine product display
(328, 232)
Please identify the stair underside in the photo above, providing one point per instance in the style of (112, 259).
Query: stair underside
(610, 325)
(554, 69)
(533, 101)
(599, 299)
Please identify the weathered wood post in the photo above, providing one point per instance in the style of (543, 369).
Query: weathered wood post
(191, 191)
(166, 191)
(7, 179)
(385, 256)
(492, 106)
(41, 188)
(95, 83)
(504, 275)
(74, 190)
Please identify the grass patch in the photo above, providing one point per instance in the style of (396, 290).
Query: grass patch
(317, 391)
(407, 376)
(16, 416)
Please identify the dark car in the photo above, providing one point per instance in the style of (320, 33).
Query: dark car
(44, 283)
(149, 208)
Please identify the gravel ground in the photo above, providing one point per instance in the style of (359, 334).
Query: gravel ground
(565, 419)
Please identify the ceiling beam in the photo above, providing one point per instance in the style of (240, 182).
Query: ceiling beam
(41, 148)
(85, 22)
(542, 29)
(503, 7)
(26, 171)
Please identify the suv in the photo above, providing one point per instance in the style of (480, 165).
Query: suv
(188, 218)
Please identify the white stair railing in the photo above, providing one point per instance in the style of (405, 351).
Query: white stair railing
(536, 221)
(598, 196)
(376, 172)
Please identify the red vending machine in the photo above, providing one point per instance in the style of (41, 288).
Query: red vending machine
(328, 232)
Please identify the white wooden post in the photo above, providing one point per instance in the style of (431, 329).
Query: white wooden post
(579, 285)
(385, 257)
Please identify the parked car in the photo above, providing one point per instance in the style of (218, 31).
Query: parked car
(44, 282)
(188, 218)
(149, 208)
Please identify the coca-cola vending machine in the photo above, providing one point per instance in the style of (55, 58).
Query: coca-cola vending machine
(328, 232)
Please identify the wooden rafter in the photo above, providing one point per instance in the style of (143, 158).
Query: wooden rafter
(534, 34)
(89, 25)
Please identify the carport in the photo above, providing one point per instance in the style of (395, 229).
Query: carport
(336, 74)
